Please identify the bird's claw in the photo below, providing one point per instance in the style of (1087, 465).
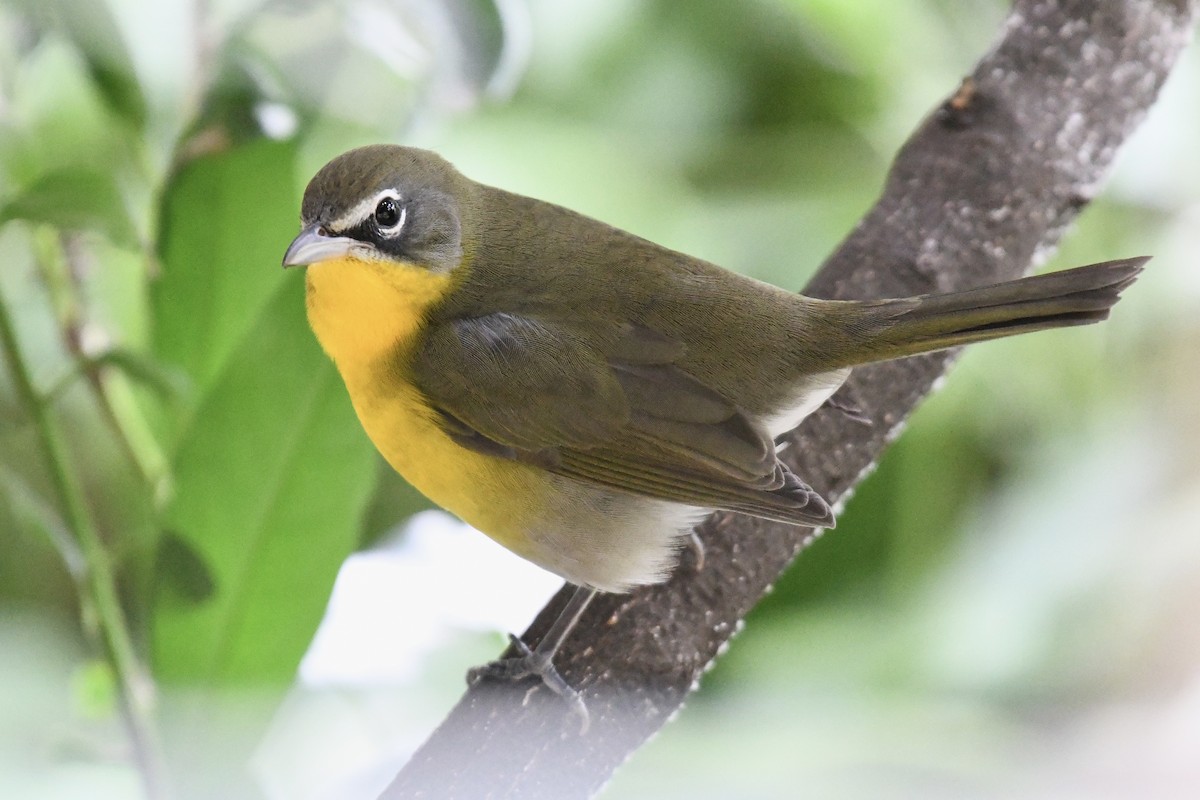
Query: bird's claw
(531, 663)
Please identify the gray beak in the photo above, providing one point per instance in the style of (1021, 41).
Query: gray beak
(313, 245)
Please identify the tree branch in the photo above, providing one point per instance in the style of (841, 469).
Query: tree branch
(980, 192)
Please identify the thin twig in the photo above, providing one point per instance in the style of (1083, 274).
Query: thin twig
(61, 262)
(96, 585)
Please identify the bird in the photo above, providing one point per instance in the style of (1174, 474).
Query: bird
(585, 396)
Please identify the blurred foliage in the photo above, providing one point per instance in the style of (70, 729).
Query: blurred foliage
(151, 162)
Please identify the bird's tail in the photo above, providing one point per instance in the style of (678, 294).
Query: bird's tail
(890, 329)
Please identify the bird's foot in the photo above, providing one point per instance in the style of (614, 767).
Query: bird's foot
(531, 663)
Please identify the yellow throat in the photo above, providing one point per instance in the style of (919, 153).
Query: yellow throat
(362, 311)
(368, 316)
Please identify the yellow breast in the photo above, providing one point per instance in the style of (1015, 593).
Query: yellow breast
(368, 316)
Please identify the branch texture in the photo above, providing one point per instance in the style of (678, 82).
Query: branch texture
(980, 193)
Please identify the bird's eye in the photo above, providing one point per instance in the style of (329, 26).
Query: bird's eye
(388, 214)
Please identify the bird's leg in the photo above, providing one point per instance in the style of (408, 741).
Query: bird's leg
(848, 407)
(697, 544)
(539, 661)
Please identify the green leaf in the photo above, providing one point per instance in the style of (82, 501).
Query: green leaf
(29, 508)
(180, 570)
(92, 28)
(120, 90)
(75, 198)
(56, 118)
(165, 382)
(227, 220)
(272, 483)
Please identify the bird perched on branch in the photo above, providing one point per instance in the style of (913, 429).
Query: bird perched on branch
(582, 395)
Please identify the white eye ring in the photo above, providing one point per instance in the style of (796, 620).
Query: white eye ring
(389, 215)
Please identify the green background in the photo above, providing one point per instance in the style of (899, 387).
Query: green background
(1006, 607)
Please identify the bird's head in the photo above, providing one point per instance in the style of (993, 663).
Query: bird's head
(384, 203)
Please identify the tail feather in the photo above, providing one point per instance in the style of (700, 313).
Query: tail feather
(895, 328)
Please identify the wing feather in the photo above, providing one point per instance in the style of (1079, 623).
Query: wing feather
(610, 408)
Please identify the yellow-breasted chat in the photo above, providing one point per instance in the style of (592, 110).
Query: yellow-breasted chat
(585, 396)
